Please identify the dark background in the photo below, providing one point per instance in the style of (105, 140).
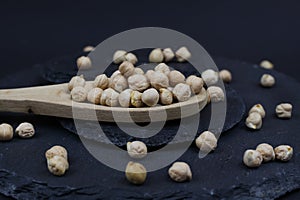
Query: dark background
(33, 32)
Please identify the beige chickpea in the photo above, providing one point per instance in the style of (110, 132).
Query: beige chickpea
(58, 165)
(101, 81)
(84, 63)
(284, 110)
(150, 97)
(183, 54)
(124, 98)
(56, 151)
(156, 56)
(126, 69)
(76, 81)
(116, 73)
(25, 130)
(94, 95)
(266, 64)
(88, 48)
(119, 56)
(136, 99)
(138, 82)
(149, 74)
(135, 173)
(259, 109)
(168, 54)
(215, 94)
(206, 142)
(118, 83)
(130, 57)
(182, 92)
(267, 80)
(283, 152)
(163, 68)
(266, 151)
(136, 149)
(6, 132)
(176, 77)
(109, 97)
(165, 96)
(252, 158)
(138, 70)
(196, 83)
(210, 77)
(180, 172)
(254, 121)
(89, 86)
(159, 80)
(79, 94)
(225, 75)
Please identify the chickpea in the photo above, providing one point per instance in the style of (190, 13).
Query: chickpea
(180, 172)
(89, 86)
(284, 110)
(138, 70)
(88, 48)
(136, 173)
(136, 99)
(109, 97)
(84, 63)
(56, 151)
(126, 69)
(176, 77)
(58, 165)
(259, 109)
(124, 98)
(6, 132)
(182, 92)
(225, 75)
(118, 83)
(76, 81)
(94, 95)
(149, 74)
(25, 130)
(266, 151)
(163, 68)
(266, 64)
(215, 94)
(116, 73)
(196, 83)
(166, 96)
(283, 152)
(254, 121)
(183, 54)
(159, 80)
(156, 56)
(130, 57)
(150, 97)
(267, 80)
(101, 81)
(206, 142)
(79, 94)
(136, 149)
(168, 54)
(210, 77)
(138, 82)
(119, 56)
(252, 158)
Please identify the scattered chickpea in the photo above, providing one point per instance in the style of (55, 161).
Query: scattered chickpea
(254, 121)
(56, 151)
(79, 94)
(25, 130)
(283, 152)
(168, 54)
(176, 77)
(150, 97)
(6, 132)
(183, 54)
(182, 92)
(119, 56)
(136, 173)
(76, 81)
(259, 109)
(252, 158)
(130, 57)
(266, 151)
(267, 80)
(58, 165)
(284, 110)
(136, 99)
(206, 142)
(225, 75)
(84, 63)
(215, 94)
(163, 68)
(266, 64)
(136, 149)
(156, 56)
(101, 81)
(196, 83)
(138, 70)
(109, 97)
(118, 83)
(166, 96)
(124, 98)
(94, 95)
(138, 82)
(180, 172)
(88, 48)
(159, 80)
(126, 69)
(210, 77)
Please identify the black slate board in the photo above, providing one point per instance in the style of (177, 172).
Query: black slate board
(219, 175)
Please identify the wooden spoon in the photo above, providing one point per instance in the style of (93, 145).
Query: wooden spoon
(54, 100)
